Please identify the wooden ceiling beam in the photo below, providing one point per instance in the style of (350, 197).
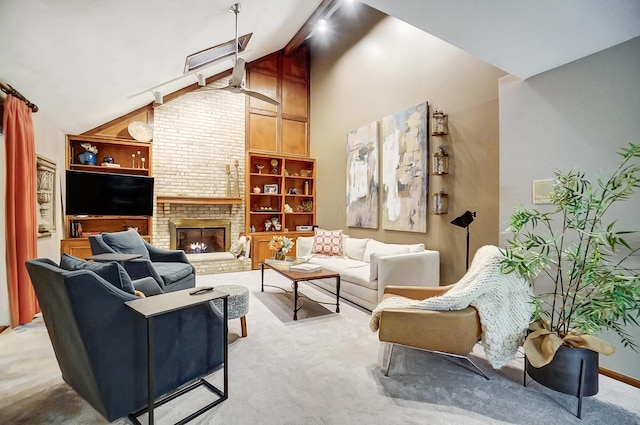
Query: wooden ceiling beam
(307, 27)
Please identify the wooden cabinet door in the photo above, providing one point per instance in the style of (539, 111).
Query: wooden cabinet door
(78, 247)
(260, 250)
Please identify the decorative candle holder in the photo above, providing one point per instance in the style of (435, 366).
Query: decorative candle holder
(440, 161)
(440, 123)
(237, 179)
(440, 202)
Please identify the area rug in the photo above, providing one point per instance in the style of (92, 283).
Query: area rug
(280, 304)
(322, 370)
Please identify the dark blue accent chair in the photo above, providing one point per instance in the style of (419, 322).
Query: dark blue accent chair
(100, 343)
(170, 268)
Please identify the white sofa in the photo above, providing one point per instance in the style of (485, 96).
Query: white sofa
(367, 266)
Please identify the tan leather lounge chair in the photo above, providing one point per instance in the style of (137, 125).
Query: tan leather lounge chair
(453, 333)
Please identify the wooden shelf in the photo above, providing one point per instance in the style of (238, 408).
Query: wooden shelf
(198, 200)
(287, 175)
(128, 153)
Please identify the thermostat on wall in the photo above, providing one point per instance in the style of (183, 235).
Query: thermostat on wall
(304, 228)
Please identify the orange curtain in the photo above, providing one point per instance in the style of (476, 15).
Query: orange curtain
(20, 207)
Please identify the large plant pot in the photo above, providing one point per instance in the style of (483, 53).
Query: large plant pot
(570, 369)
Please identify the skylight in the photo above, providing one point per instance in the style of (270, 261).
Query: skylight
(212, 54)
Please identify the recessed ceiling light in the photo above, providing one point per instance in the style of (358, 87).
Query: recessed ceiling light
(322, 25)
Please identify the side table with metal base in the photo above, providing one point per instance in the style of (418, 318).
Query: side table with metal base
(165, 303)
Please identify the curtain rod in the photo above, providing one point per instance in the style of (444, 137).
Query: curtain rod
(13, 92)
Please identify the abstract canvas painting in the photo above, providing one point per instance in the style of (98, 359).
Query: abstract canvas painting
(362, 177)
(404, 169)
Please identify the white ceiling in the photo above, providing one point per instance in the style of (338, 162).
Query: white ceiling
(522, 37)
(82, 61)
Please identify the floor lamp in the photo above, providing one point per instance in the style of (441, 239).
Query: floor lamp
(464, 221)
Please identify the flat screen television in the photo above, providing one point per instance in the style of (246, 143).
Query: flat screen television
(90, 193)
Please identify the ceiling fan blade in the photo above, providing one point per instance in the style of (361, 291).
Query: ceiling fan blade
(238, 73)
(207, 88)
(261, 96)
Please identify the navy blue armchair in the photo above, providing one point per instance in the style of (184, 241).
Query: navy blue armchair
(170, 268)
(100, 343)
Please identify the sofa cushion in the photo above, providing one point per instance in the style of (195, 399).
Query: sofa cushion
(350, 270)
(172, 272)
(112, 272)
(354, 248)
(128, 242)
(328, 242)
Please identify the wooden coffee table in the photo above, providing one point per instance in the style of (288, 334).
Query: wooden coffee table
(296, 277)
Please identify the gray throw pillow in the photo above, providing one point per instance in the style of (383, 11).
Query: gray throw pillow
(127, 242)
(112, 272)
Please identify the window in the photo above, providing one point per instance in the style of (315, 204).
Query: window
(215, 53)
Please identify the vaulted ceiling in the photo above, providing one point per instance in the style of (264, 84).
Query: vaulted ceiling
(87, 62)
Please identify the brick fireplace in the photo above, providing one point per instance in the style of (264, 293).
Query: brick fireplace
(200, 235)
(196, 136)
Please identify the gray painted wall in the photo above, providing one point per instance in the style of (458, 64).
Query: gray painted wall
(577, 115)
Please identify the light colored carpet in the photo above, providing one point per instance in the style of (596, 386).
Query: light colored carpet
(323, 369)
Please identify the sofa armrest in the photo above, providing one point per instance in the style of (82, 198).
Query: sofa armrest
(417, 268)
(148, 286)
(141, 268)
(432, 330)
(166, 255)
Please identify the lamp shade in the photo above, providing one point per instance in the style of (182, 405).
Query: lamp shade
(464, 220)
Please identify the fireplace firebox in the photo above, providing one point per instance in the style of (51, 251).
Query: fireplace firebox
(200, 236)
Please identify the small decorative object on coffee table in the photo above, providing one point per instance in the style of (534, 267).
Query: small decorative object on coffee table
(280, 245)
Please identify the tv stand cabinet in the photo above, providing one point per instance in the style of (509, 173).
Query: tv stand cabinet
(128, 154)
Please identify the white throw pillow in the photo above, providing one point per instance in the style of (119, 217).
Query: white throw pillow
(372, 246)
(389, 249)
(303, 246)
(354, 248)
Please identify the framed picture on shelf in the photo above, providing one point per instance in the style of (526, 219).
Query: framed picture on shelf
(270, 188)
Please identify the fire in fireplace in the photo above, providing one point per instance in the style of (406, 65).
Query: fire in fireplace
(199, 236)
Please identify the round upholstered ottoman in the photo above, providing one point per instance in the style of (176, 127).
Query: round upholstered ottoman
(237, 304)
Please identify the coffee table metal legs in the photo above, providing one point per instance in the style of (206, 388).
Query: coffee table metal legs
(338, 294)
(295, 300)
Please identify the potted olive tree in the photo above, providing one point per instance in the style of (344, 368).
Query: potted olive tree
(584, 272)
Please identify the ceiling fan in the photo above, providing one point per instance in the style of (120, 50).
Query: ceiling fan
(236, 83)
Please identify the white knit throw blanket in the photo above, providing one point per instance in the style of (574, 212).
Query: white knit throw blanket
(503, 302)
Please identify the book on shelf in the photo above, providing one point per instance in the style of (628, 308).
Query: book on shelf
(305, 268)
